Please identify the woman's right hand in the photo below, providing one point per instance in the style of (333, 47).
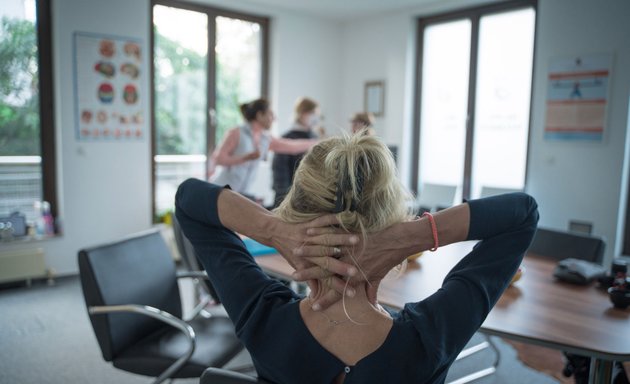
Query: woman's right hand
(315, 257)
(376, 255)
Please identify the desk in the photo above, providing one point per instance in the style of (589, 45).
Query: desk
(537, 309)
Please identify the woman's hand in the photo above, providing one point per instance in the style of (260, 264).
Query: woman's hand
(291, 240)
(251, 156)
(376, 255)
(315, 257)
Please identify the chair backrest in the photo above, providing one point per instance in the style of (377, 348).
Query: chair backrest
(189, 257)
(436, 196)
(223, 376)
(561, 245)
(135, 270)
(487, 191)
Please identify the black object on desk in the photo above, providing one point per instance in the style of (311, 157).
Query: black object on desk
(578, 271)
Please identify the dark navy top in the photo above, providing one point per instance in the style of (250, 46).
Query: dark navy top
(426, 336)
(285, 165)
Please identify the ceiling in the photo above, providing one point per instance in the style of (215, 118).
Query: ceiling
(342, 9)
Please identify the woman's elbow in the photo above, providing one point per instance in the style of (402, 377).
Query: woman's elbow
(529, 208)
(182, 192)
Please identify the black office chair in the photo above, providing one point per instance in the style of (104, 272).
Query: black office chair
(559, 245)
(223, 376)
(133, 300)
(191, 263)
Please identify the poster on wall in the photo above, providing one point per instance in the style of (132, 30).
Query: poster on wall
(577, 97)
(108, 84)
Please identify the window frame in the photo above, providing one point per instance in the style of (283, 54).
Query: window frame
(47, 139)
(46, 105)
(212, 12)
(473, 14)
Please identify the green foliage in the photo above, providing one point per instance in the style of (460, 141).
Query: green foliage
(228, 111)
(180, 98)
(175, 67)
(19, 88)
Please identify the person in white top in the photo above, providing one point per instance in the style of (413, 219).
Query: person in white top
(243, 147)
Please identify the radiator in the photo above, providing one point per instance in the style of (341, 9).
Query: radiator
(23, 264)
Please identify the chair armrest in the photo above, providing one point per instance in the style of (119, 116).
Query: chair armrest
(193, 275)
(158, 314)
(203, 302)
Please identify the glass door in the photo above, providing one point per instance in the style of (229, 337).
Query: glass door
(504, 81)
(474, 89)
(206, 62)
(444, 102)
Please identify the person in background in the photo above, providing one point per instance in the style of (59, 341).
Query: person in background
(307, 119)
(243, 148)
(363, 120)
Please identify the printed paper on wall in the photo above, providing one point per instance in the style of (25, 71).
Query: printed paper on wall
(108, 81)
(577, 98)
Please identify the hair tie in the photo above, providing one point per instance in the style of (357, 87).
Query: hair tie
(359, 180)
(339, 206)
(434, 231)
(342, 186)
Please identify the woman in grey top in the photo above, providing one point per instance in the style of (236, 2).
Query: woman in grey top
(243, 147)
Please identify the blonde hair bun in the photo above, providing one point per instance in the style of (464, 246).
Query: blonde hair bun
(353, 176)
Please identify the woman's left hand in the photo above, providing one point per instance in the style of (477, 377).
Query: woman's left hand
(315, 257)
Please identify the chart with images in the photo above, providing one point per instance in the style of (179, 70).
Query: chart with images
(109, 104)
(577, 97)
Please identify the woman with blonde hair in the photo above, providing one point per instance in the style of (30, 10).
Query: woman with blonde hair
(350, 184)
(243, 148)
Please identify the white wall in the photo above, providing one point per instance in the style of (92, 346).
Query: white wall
(105, 188)
(383, 48)
(569, 180)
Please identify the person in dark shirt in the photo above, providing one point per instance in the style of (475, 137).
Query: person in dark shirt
(351, 182)
(307, 118)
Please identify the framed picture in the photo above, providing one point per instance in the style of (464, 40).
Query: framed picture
(374, 102)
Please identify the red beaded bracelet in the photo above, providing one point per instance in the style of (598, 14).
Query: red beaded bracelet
(434, 231)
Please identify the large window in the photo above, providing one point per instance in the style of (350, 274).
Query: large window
(206, 62)
(474, 90)
(27, 147)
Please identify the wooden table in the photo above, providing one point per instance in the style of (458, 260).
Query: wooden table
(537, 309)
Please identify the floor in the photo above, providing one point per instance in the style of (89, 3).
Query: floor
(46, 337)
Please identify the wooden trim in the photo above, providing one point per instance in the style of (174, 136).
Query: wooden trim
(485, 10)
(417, 102)
(470, 109)
(153, 150)
(46, 105)
(211, 9)
(211, 87)
(264, 81)
(531, 93)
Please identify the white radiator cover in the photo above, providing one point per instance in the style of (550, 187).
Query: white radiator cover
(22, 264)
